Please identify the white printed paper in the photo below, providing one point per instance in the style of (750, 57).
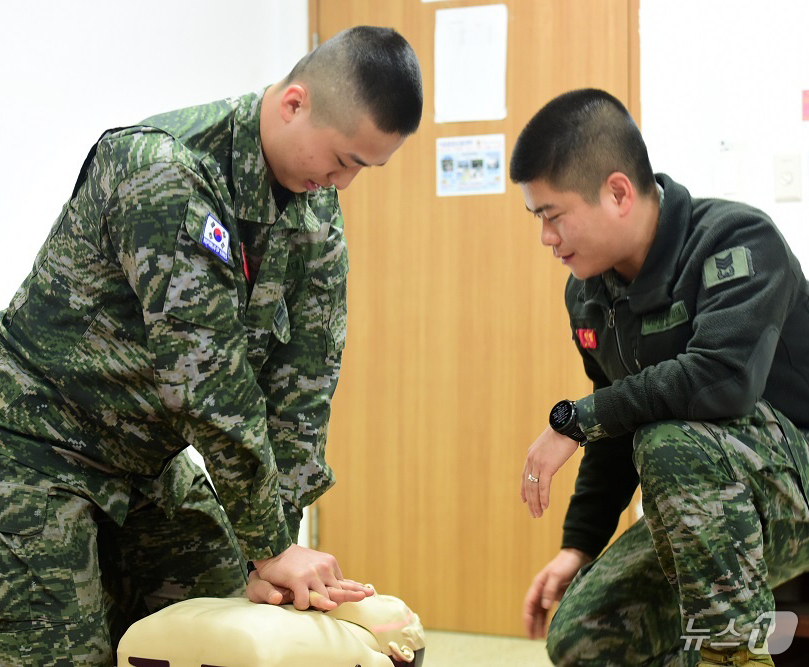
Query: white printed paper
(470, 63)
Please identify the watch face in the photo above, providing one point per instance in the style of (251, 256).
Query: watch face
(561, 414)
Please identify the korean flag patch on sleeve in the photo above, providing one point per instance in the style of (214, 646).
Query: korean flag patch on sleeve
(216, 238)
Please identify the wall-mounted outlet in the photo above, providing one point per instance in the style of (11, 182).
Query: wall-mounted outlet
(788, 178)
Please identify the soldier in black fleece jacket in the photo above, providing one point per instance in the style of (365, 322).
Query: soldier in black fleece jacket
(692, 320)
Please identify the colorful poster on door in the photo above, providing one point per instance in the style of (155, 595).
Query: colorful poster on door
(473, 165)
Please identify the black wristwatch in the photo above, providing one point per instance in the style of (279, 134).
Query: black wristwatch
(565, 420)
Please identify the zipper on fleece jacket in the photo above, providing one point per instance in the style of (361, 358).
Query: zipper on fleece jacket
(611, 325)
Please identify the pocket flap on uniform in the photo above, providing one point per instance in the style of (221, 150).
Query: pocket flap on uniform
(22, 509)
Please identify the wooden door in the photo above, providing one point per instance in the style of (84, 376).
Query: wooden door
(458, 343)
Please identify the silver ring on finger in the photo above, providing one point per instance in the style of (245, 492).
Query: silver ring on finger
(533, 479)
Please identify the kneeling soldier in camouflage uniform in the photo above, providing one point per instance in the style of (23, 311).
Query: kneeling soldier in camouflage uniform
(191, 292)
(692, 320)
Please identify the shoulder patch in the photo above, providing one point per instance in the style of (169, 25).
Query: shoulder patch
(727, 265)
(216, 238)
(668, 319)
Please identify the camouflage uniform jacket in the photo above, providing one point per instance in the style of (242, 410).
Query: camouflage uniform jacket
(717, 318)
(138, 333)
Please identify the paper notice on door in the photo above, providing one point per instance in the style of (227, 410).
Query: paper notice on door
(470, 63)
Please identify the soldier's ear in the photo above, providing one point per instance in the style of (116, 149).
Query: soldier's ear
(294, 101)
(619, 193)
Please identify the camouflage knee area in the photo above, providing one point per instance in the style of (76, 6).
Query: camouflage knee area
(51, 602)
(154, 560)
(618, 610)
(667, 453)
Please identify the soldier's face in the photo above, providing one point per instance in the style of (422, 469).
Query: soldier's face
(319, 156)
(583, 236)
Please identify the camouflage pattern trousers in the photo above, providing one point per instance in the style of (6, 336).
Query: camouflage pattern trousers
(73, 580)
(725, 520)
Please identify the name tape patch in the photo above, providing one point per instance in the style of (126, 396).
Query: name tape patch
(216, 238)
(657, 322)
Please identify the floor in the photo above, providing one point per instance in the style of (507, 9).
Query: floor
(457, 649)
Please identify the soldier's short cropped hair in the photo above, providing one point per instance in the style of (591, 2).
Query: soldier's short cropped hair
(363, 69)
(577, 140)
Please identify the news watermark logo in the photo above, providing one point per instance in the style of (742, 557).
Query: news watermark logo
(773, 634)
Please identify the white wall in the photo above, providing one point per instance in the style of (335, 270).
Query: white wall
(721, 93)
(70, 70)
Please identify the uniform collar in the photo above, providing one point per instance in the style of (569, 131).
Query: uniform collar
(251, 177)
(651, 289)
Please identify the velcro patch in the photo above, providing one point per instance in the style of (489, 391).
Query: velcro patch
(657, 322)
(587, 338)
(727, 265)
(216, 238)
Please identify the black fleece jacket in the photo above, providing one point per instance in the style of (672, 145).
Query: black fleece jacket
(717, 318)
